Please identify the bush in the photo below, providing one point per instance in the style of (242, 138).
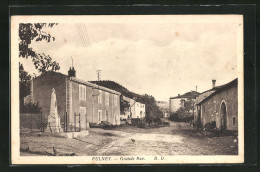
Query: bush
(142, 125)
(210, 126)
(136, 121)
(197, 124)
(105, 124)
(30, 108)
(180, 117)
(166, 123)
(93, 125)
(128, 122)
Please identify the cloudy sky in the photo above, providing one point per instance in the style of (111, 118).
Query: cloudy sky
(156, 58)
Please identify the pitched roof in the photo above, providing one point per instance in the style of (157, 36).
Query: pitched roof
(207, 94)
(191, 94)
(94, 85)
(81, 81)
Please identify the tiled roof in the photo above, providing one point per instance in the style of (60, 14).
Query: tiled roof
(94, 85)
(206, 94)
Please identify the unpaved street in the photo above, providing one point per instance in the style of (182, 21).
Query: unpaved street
(176, 139)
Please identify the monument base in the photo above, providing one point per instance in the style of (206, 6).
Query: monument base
(72, 135)
(53, 125)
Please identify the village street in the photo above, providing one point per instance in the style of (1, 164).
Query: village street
(176, 139)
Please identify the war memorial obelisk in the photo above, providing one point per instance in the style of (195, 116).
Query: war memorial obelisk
(54, 119)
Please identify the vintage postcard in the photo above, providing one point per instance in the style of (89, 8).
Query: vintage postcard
(127, 89)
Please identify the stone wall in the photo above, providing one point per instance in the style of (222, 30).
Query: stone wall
(211, 108)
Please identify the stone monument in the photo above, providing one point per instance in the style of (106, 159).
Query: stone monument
(54, 119)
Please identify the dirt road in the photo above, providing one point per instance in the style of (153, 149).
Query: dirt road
(176, 139)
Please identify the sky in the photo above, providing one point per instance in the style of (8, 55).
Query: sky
(156, 58)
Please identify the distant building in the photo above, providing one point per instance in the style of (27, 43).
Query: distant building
(164, 107)
(94, 103)
(219, 104)
(175, 102)
(136, 109)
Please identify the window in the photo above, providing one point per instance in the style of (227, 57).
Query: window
(99, 116)
(82, 92)
(115, 100)
(100, 97)
(107, 99)
(234, 121)
(82, 110)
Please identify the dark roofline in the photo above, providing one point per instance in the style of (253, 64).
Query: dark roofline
(219, 89)
(185, 95)
(82, 82)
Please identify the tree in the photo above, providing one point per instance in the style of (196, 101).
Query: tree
(124, 105)
(185, 111)
(24, 83)
(187, 104)
(29, 32)
(151, 109)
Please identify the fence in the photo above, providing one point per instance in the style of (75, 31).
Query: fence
(39, 122)
(75, 126)
(33, 121)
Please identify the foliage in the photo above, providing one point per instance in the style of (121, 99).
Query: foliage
(210, 126)
(197, 124)
(123, 105)
(30, 108)
(151, 109)
(187, 104)
(137, 121)
(29, 32)
(181, 115)
(24, 83)
(185, 112)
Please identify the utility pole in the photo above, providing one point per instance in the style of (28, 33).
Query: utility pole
(99, 74)
(93, 94)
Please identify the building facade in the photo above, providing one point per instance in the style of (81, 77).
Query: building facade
(94, 103)
(175, 102)
(136, 109)
(219, 104)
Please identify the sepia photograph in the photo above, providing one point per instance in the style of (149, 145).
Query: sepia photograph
(127, 89)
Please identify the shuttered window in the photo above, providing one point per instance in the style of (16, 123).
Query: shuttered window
(107, 99)
(100, 97)
(82, 92)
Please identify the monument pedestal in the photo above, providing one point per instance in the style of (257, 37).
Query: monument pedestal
(53, 125)
(53, 119)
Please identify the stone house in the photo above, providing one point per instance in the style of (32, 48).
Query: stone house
(94, 103)
(136, 109)
(175, 102)
(219, 104)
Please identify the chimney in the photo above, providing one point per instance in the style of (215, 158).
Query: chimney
(178, 95)
(213, 83)
(72, 72)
